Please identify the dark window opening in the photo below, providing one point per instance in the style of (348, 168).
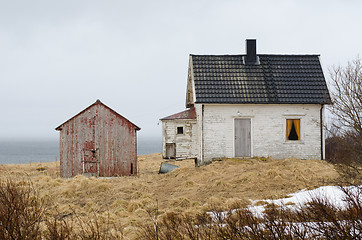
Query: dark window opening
(180, 130)
(131, 168)
(293, 129)
(293, 134)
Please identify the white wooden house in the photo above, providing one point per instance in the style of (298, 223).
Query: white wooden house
(250, 105)
(180, 134)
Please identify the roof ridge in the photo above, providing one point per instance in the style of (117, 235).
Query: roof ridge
(260, 54)
(93, 104)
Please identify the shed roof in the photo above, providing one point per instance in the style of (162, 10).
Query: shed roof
(278, 79)
(187, 114)
(97, 102)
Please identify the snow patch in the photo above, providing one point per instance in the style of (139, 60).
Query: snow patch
(334, 194)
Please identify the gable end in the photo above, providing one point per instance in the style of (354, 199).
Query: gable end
(59, 128)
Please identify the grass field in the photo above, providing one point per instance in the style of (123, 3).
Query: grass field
(125, 200)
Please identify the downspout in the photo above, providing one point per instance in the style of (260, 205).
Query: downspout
(137, 166)
(202, 134)
(321, 126)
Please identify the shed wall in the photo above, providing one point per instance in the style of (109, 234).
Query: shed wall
(113, 138)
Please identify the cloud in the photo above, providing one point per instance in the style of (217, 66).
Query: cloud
(58, 57)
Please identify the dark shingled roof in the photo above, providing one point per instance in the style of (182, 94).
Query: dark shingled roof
(278, 79)
(187, 114)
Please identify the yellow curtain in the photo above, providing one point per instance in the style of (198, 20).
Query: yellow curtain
(289, 127)
(297, 127)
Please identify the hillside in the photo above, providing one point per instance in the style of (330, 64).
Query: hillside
(125, 199)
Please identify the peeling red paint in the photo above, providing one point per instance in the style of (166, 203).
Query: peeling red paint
(98, 142)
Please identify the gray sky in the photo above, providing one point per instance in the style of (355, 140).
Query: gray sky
(58, 57)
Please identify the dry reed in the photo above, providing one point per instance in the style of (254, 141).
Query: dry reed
(187, 189)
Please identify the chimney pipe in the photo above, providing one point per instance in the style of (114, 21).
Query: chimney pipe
(251, 57)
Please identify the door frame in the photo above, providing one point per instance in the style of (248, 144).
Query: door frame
(251, 134)
(174, 150)
(93, 151)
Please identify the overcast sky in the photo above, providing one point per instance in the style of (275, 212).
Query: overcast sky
(58, 57)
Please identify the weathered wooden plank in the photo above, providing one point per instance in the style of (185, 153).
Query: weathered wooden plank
(98, 141)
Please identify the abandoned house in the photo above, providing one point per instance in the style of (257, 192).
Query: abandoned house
(250, 105)
(98, 142)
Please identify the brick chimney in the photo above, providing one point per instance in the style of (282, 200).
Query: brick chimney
(251, 58)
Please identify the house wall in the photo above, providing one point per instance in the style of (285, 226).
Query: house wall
(113, 137)
(185, 143)
(268, 130)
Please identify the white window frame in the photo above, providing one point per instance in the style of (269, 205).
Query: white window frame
(293, 117)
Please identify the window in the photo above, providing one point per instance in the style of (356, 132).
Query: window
(180, 130)
(293, 129)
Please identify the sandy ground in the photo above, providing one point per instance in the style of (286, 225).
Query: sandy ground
(126, 200)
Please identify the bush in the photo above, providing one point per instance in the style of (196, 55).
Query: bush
(21, 210)
(319, 219)
(346, 152)
(24, 215)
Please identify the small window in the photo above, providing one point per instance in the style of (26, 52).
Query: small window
(180, 130)
(293, 129)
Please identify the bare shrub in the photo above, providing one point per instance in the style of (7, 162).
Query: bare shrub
(76, 226)
(58, 229)
(24, 215)
(243, 224)
(97, 228)
(342, 151)
(319, 219)
(173, 225)
(347, 97)
(21, 210)
(345, 142)
(323, 219)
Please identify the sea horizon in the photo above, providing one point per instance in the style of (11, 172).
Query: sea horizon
(22, 151)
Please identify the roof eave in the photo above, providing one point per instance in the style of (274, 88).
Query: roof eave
(234, 103)
(59, 128)
(170, 119)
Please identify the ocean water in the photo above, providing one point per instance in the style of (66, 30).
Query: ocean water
(18, 152)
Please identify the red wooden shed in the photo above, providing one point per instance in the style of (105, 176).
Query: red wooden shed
(98, 142)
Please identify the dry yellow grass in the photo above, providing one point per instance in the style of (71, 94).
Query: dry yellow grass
(187, 188)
